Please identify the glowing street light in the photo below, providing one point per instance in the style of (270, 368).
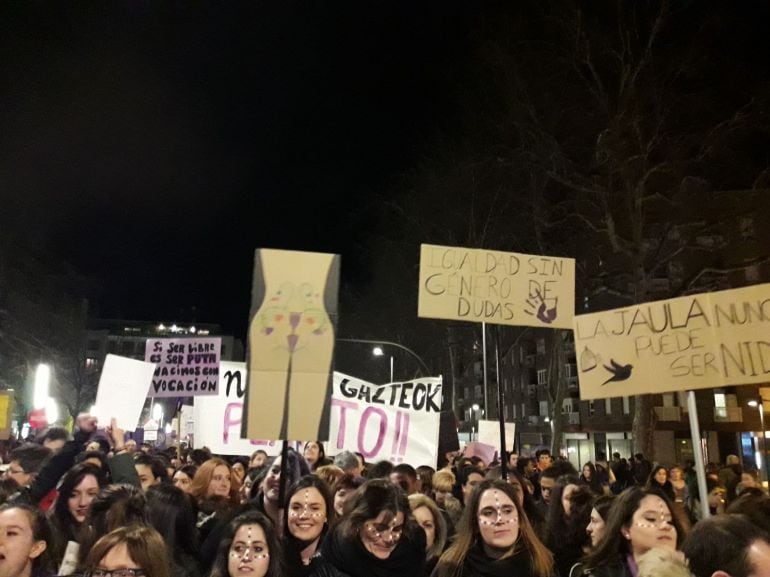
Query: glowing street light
(758, 404)
(157, 413)
(42, 380)
(378, 352)
(51, 410)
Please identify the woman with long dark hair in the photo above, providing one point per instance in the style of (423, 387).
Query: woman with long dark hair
(639, 519)
(249, 548)
(568, 515)
(308, 514)
(494, 537)
(588, 477)
(658, 480)
(377, 537)
(78, 489)
(597, 523)
(315, 455)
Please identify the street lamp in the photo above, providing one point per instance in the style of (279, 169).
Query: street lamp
(760, 405)
(157, 413)
(42, 380)
(51, 410)
(475, 419)
(378, 352)
(424, 371)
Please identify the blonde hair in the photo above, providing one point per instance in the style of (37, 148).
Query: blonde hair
(419, 500)
(330, 473)
(443, 481)
(660, 562)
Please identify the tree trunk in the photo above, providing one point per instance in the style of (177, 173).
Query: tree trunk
(556, 386)
(643, 427)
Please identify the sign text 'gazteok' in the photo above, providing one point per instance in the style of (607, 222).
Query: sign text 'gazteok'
(398, 421)
(694, 342)
(503, 288)
(185, 367)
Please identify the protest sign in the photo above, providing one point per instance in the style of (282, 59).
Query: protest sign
(122, 391)
(217, 419)
(185, 367)
(6, 412)
(489, 433)
(187, 419)
(694, 342)
(483, 451)
(291, 345)
(397, 421)
(496, 287)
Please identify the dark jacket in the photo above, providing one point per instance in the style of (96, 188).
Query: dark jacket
(616, 569)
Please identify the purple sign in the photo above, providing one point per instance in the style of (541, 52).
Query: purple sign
(185, 367)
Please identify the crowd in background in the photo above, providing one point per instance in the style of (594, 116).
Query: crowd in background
(95, 503)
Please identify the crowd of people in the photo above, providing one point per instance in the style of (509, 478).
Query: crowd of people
(94, 503)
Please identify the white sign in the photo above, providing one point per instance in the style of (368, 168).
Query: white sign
(489, 433)
(397, 421)
(122, 391)
(217, 419)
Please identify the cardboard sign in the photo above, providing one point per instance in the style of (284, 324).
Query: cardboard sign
(6, 413)
(291, 344)
(397, 421)
(700, 341)
(217, 419)
(489, 434)
(185, 367)
(502, 288)
(122, 391)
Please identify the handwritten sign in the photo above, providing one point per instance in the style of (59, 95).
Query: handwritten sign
(291, 344)
(489, 434)
(694, 342)
(398, 421)
(502, 288)
(217, 419)
(122, 391)
(185, 367)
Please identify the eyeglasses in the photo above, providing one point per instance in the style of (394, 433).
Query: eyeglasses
(116, 573)
(379, 531)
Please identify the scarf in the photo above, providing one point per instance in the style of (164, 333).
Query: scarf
(479, 564)
(349, 556)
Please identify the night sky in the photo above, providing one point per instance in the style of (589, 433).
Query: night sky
(154, 145)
